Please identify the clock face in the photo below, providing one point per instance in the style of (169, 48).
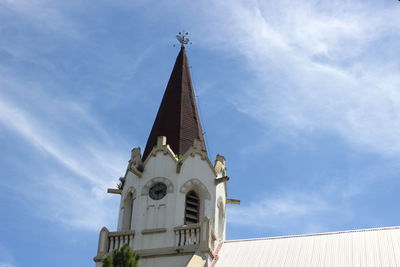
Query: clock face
(158, 191)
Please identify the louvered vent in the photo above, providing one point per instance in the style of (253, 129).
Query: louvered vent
(192, 208)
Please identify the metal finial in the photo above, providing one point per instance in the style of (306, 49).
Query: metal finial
(183, 39)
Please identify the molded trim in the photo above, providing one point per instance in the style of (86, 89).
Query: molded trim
(153, 231)
(159, 252)
(196, 148)
(232, 201)
(186, 227)
(221, 180)
(131, 190)
(114, 191)
(195, 184)
(166, 181)
(161, 148)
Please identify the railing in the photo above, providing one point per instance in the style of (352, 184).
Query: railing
(190, 238)
(187, 235)
(109, 241)
(118, 239)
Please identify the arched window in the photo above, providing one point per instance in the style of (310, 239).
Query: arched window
(127, 215)
(192, 208)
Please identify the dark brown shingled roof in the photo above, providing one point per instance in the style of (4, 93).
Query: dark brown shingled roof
(177, 117)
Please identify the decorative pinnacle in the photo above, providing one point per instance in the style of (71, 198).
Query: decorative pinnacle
(182, 38)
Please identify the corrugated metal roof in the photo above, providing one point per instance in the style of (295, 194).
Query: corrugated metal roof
(367, 247)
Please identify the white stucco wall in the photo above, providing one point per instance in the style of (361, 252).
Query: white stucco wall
(169, 211)
(174, 261)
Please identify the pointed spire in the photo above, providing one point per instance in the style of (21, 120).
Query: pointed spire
(177, 117)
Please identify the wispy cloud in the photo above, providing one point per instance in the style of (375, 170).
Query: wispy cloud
(286, 209)
(43, 13)
(320, 67)
(6, 258)
(79, 199)
(38, 103)
(44, 138)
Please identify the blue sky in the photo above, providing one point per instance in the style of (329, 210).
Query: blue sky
(302, 97)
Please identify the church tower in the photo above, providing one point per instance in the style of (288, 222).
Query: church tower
(172, 209)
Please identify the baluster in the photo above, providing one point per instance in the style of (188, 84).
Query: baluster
(193, 236)
(131, 240)
(176, 238)
(184, 237)
(111, 246)
(197, 235)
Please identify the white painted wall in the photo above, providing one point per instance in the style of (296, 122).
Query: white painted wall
(173, 261)
(169, 211)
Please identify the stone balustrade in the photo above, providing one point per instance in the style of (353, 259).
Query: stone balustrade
(118, 239)
(187, 235)
(109, 241)
(188, 238)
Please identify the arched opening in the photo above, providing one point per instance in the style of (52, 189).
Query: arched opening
(127, 217)
(192, 208)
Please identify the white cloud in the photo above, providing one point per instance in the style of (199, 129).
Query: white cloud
(6, 258)
(286, 209)
(70, 200)
(320, 67)
(43, 111)
(72, 203)
(44, 14)
(44, 138)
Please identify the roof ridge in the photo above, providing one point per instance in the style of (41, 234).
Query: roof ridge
(315, 234)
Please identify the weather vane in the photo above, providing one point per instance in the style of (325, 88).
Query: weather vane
(183, 39)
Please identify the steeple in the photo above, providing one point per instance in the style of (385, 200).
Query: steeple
(177, 117)
(173, 199)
